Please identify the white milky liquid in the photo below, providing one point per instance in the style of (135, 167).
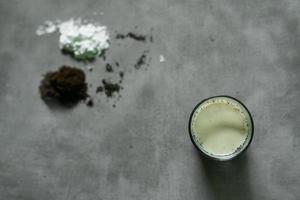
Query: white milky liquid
(220, 126)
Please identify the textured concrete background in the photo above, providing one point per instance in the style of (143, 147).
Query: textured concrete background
(141, 149)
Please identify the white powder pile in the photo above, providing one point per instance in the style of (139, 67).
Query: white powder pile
(83, 40)
(46, 28)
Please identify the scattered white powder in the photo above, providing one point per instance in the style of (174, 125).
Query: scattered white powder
(162, 58)
(46, 28)
(84, 40)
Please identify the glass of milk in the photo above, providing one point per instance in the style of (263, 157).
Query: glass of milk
(221, 127)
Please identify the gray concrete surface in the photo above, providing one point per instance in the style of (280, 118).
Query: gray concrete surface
(141, 149)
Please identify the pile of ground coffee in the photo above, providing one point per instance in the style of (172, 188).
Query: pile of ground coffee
(66, 85)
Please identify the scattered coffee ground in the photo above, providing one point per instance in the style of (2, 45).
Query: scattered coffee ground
(109, 68)
(66, 85)
(121, 74)
(117, 64)
(90, 103)
(134, 36)
(151, 39)
(99, 89)
(141, 60)
(110, 88)
(103, 56)
(120, 36)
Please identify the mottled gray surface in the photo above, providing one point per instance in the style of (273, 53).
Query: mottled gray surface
(141, 149)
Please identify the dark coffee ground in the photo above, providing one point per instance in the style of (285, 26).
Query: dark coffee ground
(110, 88)
(99, 89)
(141, 60)
(151, 39)
(66, 85)
(134, 36)
(121, 36)
(138, 37)
(90, 103)
(121, 75)
(109, 68)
